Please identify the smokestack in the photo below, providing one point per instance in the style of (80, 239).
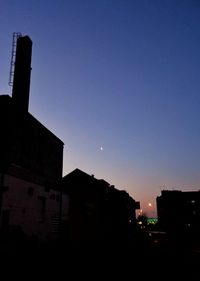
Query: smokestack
(22, 74)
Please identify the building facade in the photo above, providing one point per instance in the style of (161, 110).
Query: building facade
(31, 158)
(97, 210)
(179, 211)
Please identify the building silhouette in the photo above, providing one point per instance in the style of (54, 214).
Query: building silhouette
(179, 212)
(31, 157)
(97, 210)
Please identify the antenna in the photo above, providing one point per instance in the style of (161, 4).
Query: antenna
(16, 35)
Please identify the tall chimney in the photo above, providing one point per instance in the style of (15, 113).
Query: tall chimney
(22, 74)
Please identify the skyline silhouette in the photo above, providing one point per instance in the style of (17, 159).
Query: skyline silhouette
(44, 215)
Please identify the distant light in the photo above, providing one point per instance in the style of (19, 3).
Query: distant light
(149, 204)
(101, 148)
(152, 221)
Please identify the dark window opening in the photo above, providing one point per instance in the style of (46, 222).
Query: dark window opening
(30, 191)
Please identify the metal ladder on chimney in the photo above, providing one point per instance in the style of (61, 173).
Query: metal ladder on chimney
(16, 35)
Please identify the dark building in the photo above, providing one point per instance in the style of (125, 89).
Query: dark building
(31, 156)
(25, 142)
(179, 211)
(29, 146)
(97, 210)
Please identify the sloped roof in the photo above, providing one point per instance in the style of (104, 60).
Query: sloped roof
(79, 180)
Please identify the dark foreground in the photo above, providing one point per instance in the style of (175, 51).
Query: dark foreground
(138, 260)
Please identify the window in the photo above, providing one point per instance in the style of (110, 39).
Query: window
(30, 191)
(52, 196)
(42, 206)
(5, 188)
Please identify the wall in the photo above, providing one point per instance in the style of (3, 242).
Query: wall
(33, 207)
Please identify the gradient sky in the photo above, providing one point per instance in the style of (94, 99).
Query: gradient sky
(118, 81)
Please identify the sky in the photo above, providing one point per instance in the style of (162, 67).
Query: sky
(118, 81)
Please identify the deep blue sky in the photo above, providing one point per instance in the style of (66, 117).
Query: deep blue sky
(123, 75)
